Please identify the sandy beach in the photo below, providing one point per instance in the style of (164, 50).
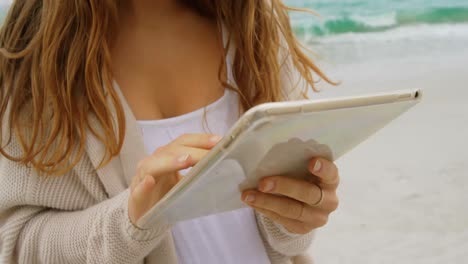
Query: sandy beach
(404, 192)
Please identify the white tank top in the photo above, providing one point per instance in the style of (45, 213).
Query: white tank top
(230, 237)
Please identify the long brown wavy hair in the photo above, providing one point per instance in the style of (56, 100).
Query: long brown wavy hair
(55, 71)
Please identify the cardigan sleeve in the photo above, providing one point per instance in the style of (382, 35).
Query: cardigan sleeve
(281, 245)
(54, 220)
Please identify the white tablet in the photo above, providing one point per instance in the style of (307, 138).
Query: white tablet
(276, 139)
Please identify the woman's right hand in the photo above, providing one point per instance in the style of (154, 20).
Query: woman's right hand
(158, 173)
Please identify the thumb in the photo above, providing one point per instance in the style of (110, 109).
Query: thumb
(179, 176)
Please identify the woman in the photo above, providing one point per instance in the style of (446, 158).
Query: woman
(84, 158)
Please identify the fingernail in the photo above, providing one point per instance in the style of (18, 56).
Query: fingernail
(183, 158)
(148, 180)
(215, 139)
(268, 186)
(317, 166)
(250, 198)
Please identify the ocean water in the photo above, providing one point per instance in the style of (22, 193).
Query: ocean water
(357, 30)
(363, 16)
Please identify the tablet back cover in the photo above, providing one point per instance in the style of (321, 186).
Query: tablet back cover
(276, 145)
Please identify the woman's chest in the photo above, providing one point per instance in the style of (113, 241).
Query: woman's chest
(216, 118)
(172, 76)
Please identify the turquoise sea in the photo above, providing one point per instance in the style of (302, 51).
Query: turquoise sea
(362, 16)
(362, 30)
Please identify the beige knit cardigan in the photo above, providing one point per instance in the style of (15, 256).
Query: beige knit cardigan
(81, 217)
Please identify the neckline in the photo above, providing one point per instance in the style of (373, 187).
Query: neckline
(230, 79)
(181, 118)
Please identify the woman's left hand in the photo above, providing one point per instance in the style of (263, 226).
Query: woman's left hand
(305, 204)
